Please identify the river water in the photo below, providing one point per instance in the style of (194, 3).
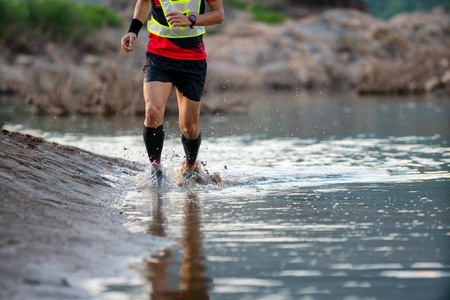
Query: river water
(325, 197)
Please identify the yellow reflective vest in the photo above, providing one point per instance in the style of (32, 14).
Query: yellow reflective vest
(186, 7)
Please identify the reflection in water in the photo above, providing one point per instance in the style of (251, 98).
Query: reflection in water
(156, 267)
(193, 284)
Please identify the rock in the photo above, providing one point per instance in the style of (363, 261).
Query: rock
(422, 27)
(25, 61)
(12, 79)
(419, 72)
(46, 81)
(84, 78)
(91, 60)
(278, 74)
(57, 110)
(432, 84)
(222, 76)
(445, 79)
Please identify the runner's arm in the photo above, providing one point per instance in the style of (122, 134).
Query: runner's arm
(213, 17)
(141, 11)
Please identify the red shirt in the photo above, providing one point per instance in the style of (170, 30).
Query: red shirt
(170, 48)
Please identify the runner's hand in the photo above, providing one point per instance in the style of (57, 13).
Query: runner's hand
(128, 41)
(175, 18)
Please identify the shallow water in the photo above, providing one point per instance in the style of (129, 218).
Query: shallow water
(324, 198)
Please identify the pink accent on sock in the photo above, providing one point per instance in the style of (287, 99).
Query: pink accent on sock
(189, 163)
(156, 163)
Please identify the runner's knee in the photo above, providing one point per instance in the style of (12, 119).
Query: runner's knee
(152, 109)
(191, 131)
(154, 113)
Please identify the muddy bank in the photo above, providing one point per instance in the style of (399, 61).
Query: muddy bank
(60, 220)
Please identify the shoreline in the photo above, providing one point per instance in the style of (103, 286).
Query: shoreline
(60, 220)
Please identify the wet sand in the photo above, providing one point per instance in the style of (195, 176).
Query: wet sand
(61, 224)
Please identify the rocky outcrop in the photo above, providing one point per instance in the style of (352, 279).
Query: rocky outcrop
(413, 55)
(337, 49)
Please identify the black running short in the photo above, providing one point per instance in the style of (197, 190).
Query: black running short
(187, 75)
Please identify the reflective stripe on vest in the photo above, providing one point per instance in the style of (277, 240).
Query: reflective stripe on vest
(186, 7)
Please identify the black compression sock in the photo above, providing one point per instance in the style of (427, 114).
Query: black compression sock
(191, 148)
(154, 140)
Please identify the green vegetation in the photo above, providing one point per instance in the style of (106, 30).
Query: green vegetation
(237, 4)
(387, 9)
(269, 10)
(57, 20)
(260, 11)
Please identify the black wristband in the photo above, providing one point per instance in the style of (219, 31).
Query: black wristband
(135, 26)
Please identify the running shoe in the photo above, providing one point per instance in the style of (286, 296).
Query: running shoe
(157, 176)
(188, 176)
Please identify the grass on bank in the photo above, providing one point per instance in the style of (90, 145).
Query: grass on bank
(57, 20)
(259, 11)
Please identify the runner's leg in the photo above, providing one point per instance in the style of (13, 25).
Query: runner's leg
(189, 112)
(155, 94)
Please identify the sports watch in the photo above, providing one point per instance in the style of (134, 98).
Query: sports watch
(193, 19)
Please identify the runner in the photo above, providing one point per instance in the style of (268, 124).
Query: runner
(175, 57)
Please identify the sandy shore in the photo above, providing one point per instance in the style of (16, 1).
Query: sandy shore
(61, 224)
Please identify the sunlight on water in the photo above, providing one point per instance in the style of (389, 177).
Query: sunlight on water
(415, 274)
(286, 162)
